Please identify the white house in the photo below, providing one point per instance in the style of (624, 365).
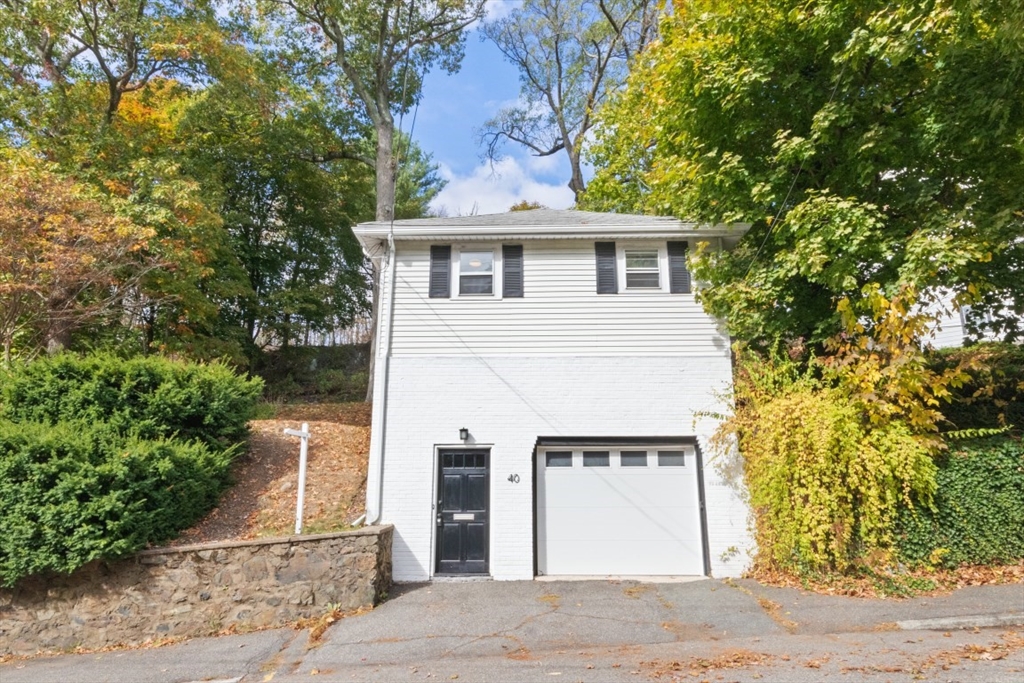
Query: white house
(544, 388)
(949, 327)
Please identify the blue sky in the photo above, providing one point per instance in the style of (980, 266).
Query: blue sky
(452, 109)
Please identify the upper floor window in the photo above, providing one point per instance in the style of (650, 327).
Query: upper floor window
(643, 269)
(476, 272)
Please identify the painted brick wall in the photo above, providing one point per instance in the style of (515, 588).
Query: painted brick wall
(506, 402)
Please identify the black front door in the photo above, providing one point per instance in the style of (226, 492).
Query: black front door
(462, 502)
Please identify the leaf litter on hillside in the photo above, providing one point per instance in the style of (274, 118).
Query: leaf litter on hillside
(262, 501)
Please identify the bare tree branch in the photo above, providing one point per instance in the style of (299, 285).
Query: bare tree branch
(566, 53)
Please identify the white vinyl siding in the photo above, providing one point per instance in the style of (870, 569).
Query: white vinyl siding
(559, 314)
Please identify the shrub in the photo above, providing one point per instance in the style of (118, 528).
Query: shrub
(834, 449)
(152, 397)
(993, 395)
(978, 512)
(336, 373)
(825, 486)
(71, 493)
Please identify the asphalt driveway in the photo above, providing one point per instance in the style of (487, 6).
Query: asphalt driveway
(498, 618)
(598, 631)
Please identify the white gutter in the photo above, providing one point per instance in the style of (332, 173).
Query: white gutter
(380, 231)
(378, 421)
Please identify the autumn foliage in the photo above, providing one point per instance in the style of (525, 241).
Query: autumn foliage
(65, 257)
(835, 448)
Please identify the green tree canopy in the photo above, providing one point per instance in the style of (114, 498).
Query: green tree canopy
(375, 53)
(287, 216)
(869, 142)
(53, 45)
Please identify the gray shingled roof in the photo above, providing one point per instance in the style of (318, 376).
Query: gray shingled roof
(540, 223)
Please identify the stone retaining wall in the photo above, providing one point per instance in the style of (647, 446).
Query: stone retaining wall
(196, 590)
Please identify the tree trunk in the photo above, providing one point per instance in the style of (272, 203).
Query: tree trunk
(58, 328)
(576, 184)
(385, 170)
(58, 338)
(148, 329)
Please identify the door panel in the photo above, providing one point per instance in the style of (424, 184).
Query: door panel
(476, 492)
(450, 543)
(451, 497)
(463, 512)
(476, 542)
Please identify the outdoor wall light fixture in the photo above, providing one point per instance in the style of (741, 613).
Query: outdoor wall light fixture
(463, 434)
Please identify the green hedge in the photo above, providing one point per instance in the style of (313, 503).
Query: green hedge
(978, 515)
(151, 396)
(75, 492)
(994, 395)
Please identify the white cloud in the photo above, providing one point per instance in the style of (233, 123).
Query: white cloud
(495, 106)
(499, 9)
(493, 189)
(547, 165)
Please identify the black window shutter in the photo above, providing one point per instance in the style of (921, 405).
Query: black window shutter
(440, 271)
(606, 278)
(678, 274)
(512, 270)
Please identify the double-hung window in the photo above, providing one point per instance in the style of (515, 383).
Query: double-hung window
(476, 272)
(643, 269)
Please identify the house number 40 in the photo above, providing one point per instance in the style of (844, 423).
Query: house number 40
(514, 478)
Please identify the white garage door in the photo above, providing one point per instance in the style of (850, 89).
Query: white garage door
(618, 511)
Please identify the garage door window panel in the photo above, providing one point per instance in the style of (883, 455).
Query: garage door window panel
(671, 458)
(596, 459)
(558, 459)
(633, 459)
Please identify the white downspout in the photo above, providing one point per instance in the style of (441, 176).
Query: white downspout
(378, 421)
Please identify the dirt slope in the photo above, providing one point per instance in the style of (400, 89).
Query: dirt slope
(262, 501)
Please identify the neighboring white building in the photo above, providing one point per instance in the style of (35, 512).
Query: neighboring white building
(543, 393)
(949, 327)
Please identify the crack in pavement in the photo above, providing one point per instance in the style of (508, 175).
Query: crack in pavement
(271, 666)
(770, 607)
(506, 633)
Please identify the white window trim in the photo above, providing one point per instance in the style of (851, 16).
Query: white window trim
(620, 266)
(456, 264)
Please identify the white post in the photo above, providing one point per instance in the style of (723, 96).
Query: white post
(303, 449)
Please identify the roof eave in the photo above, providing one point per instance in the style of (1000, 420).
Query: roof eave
(376, 232)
